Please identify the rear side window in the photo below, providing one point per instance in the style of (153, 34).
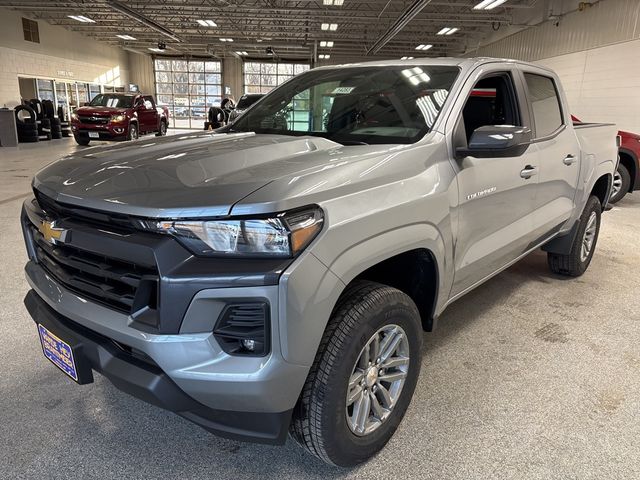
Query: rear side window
(545, 103)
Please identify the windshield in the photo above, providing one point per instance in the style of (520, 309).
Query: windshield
(247, 100)
(113, 101)
(355, 105)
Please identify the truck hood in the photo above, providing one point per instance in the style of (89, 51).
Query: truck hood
(191, 175)
(103, 111)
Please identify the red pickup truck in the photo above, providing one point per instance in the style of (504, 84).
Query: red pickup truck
(118, 116)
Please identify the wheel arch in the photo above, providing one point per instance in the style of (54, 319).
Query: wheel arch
(630, 161)
(602, 189)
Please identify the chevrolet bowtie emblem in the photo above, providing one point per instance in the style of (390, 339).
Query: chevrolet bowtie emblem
(51, 233)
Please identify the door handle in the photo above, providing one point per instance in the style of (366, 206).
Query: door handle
(528, 171)
(569, 160)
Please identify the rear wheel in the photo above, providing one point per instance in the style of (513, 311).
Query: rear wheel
(363, 377)
(575, 263)
(621, 183)
(163, 129)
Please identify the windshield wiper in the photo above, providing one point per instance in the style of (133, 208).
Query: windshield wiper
(350, 142)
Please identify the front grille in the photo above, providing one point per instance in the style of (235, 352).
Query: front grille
(114, 222)
(94, 120)
(118, 284)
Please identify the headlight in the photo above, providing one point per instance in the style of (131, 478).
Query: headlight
(117, 118)
(74, 116)
(282, 235)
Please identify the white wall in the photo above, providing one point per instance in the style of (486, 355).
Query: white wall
(596, 53)
(602, 84)
(59, 50)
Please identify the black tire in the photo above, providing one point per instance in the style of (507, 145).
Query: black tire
(55, 123)
(20, 111)
(66, 132)
(28, 139)
(133, 131)
(319, 421)
(44, 127)
(48, 110)
(163, 129)
(624, 178)
(37, 107)
(81, 140)
(575, 263)
(56, 134)
(27, 128)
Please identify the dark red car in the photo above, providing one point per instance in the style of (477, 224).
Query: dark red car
(627, 177)
(118, 116)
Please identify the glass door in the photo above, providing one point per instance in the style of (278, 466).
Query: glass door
(62, 100)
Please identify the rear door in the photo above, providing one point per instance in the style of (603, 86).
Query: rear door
(497, 195)
(558, 151)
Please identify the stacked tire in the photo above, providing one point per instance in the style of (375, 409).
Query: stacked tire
(26, 124)
(44, 124)
(65, 126)
(51, 114)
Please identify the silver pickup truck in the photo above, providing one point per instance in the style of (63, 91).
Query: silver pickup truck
(277, 275)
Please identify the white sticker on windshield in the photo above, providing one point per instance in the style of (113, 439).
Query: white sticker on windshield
(342, 90)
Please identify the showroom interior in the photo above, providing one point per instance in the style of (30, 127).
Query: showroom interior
(220, 217)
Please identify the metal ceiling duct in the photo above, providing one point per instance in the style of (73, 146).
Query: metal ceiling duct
(144, 20)
(408, 15)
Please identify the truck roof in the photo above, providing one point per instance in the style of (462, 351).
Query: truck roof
(446, 61)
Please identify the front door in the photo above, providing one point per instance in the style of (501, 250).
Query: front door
(147, 115)
(496, 195)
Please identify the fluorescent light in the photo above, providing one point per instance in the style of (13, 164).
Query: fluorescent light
(81, 18)
(337, 3)
(489, 4)
(154, 49)
(444, 31)
(423, 47)
(452, 31)
(406, 58)
(328, 44)
(324, 57)
(226, 39)
(207, 23)
(242, 54)
(329, 26)
(126, 37)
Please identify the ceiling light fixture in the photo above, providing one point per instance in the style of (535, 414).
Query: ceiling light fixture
(207, 23)
(154, 49)
(423, 47)
(329, 26)
(242, 54)
(81, 18)
(489, 4)
(336, 3)
(126, 37)
(448, 31)
(324, 57)
(129, 12)
(406, 58)
(226, 39)
(327, 44)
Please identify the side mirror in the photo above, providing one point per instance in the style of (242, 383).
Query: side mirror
(497, 141)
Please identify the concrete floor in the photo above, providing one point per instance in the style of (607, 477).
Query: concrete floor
(529, 376)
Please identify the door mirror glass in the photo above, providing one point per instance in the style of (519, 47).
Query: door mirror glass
(497, 141)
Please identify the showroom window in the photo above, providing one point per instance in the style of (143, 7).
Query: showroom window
(262, 77)
(188, 88)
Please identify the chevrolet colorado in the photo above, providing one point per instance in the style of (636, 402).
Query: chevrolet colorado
(276, 276)
(118, 116)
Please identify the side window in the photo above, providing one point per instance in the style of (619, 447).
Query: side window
(544, 103)
(492, 102)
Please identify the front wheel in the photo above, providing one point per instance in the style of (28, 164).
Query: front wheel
(133, 132)
(363, 377)
(81, 140)
(575, 263)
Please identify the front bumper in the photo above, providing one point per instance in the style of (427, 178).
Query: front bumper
(105, 132)
(141, 377)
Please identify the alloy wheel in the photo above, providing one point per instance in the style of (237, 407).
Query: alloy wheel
(589, 237)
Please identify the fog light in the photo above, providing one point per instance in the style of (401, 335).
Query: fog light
(243, 329)
(249, 344)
